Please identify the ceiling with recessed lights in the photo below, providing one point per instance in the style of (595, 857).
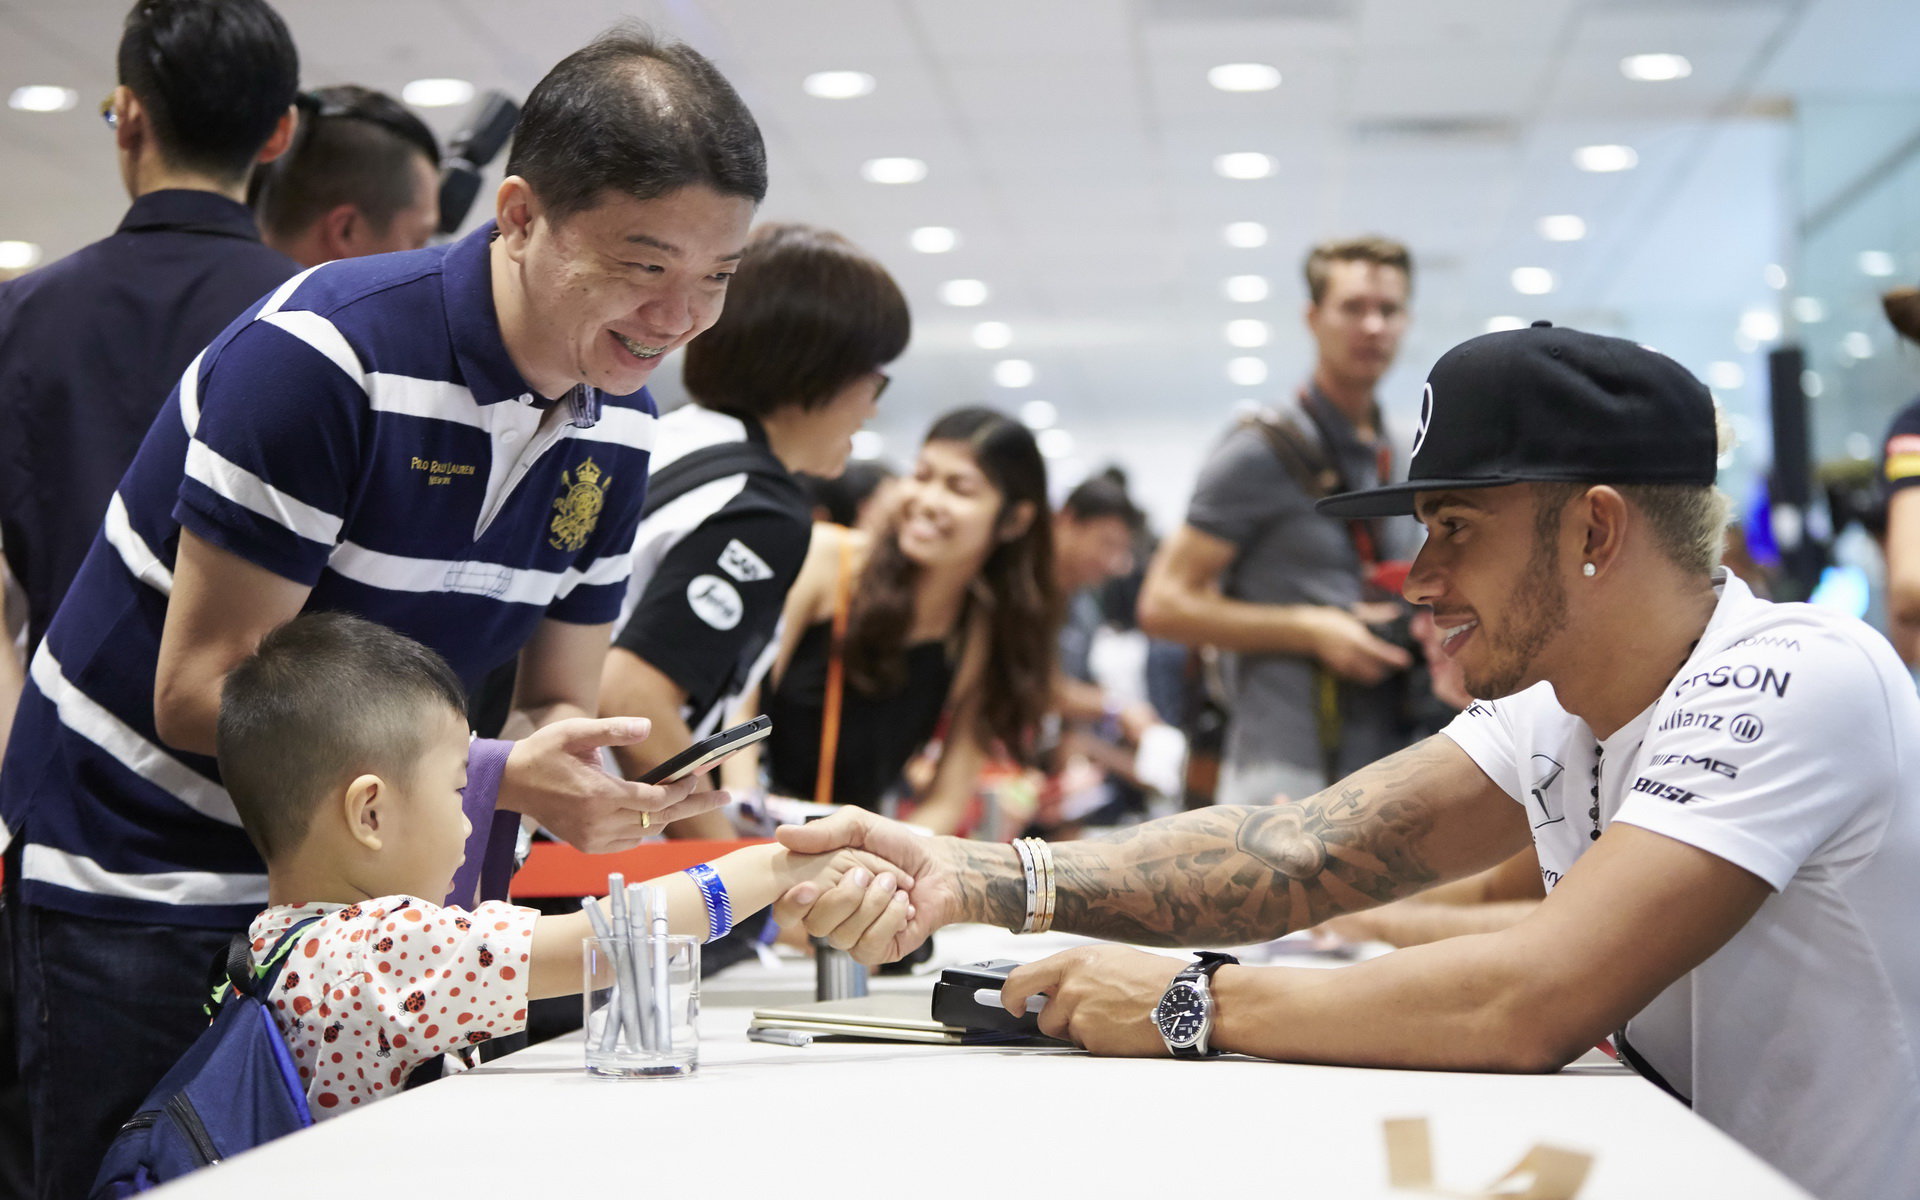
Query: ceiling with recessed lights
(1098, 207)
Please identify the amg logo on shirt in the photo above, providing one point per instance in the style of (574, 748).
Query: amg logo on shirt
(1665, 791)
(1769, 641)
(1746, 676)
(1717, 766)
(1682, 719)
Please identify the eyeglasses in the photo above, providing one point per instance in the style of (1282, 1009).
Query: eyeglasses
(881, 390)
(108, 115)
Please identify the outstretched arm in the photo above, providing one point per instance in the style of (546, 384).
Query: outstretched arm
(1220, 876)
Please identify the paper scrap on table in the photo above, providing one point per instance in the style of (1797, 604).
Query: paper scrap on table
(1543, 1173)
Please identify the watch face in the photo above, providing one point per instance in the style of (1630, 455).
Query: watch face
(1181, 1014)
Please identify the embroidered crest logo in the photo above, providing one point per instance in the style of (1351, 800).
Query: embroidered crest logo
(583, 495)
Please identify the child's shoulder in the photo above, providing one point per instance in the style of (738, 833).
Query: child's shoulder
(337, 918)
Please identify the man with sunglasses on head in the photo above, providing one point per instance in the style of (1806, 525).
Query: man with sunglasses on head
(362, 177)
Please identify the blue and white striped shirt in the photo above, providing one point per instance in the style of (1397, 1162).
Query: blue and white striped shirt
(362, 431)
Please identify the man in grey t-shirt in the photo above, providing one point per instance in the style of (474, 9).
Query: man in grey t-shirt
(1256, 573)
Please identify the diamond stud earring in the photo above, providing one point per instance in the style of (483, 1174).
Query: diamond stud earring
(1587, 570)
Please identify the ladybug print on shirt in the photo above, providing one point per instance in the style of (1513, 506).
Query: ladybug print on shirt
(376, 988)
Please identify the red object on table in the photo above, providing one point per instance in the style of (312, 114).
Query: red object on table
(556, 869)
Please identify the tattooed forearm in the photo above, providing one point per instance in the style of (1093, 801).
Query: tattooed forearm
(1235, 875)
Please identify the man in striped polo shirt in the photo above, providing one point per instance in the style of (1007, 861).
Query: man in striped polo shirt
(452, 442)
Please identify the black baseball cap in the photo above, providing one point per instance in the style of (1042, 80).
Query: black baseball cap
(1550, 405)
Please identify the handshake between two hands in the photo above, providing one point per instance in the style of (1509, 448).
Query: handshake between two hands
(871, 887)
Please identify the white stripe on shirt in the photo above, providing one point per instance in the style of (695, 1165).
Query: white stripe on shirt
(234, 482)
(280, 294)
(190, 394)
(139, 557)
(399, 573)
(433, 399)
(44, 864)
(622, 427)
(88, 718)
(324, 337)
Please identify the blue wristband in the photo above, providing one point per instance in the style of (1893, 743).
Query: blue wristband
(714, 893)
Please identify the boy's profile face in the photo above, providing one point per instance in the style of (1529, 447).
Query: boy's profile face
(431, 840)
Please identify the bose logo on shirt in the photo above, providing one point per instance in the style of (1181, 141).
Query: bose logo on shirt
(1665, 791)
(743, 564)
(715, 601)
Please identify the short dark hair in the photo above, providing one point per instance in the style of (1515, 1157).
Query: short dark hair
(807, 314)
(1370, 248)
(327, 696)
(215, 77)
(355, 146)
(631, 114)
(1902, 307)
(1103, 495)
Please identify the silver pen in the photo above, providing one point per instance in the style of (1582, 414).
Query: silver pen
(778, 1037)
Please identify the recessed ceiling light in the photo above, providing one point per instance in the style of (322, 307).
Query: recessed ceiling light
(992, 335)
(1877, 263)
(1013, 373)
(1504, 324)
(1775, 275)
(437, 93)
(1606, 158)
(1532, 281)
(893, 170)
(1038, 414)
(934, 239)
(1857, 345)
(963, 293)
(1563, 228)
(837, 85)
(868, 444)
(1655, 68)
(43, 98)
(1247, 372)
(1054, 443)
(1809, 310)
(1249, 164)
(1725, 375)
(1244, 77)
(1759, 325)
(1247, 333)
(17, 256)
(1245, 235)
(1246, 289)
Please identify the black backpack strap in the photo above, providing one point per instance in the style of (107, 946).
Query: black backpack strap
(1304, 458)
(697, 469)
(238, 974)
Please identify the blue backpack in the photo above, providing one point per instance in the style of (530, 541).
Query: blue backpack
(235, 1088)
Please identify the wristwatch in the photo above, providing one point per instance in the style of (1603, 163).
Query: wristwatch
(1185, 1012)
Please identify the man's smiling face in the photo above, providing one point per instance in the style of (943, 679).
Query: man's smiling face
(609, 291)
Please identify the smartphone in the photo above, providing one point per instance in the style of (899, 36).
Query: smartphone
(708, 751)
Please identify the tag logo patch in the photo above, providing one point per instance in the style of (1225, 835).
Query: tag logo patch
(715, 601)
(743, 564)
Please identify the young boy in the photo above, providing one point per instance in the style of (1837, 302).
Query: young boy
(344, 746)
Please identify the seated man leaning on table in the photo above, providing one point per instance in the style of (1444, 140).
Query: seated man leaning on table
(1721, 792)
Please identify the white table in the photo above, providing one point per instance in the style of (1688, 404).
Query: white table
(843, 1119)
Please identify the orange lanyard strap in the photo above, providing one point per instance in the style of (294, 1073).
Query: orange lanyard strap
(836, 675)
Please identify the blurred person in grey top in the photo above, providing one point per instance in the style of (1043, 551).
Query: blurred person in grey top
(1312, 689)
(362, 177)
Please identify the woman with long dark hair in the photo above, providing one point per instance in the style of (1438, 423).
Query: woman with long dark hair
(949, 619)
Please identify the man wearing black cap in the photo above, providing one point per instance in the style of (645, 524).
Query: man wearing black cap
(1724, 795)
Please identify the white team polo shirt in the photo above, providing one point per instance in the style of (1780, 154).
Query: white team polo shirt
(1789, 745)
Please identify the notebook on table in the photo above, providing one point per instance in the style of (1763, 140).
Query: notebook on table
(879, 1016)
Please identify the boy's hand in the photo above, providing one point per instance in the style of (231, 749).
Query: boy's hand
(554, 776)
(855, 900)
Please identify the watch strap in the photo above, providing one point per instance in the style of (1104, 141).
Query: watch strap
(1202, 967)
